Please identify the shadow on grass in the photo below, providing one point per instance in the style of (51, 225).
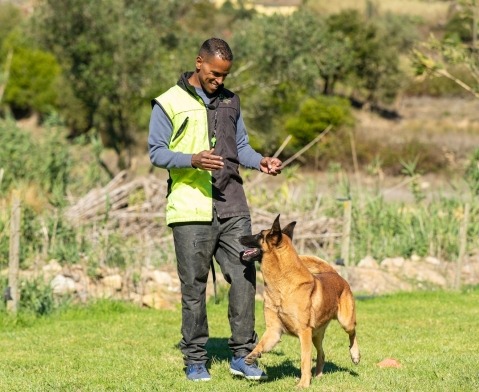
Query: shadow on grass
(218, 350)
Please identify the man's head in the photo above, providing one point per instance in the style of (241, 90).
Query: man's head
(213, 64)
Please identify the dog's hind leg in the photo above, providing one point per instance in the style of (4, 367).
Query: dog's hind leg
(354, 347)
(318, 343)
(347, 319)
(305, 338)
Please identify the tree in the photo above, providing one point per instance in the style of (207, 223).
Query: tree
(114, 53)
(434, 58)
(374, 54)
(33, 76)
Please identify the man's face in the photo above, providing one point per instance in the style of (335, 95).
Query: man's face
(212, 72)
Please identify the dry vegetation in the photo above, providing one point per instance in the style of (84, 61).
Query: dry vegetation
(429, 11)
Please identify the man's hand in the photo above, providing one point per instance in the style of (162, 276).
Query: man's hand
(271, 166)
(206, 160)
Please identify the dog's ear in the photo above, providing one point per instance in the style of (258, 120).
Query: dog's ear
(288, 230)
(276, 225)
(275, 235)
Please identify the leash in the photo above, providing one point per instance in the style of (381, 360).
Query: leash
(213, 272)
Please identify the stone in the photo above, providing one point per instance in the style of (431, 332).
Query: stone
(62, 285)
(368, 262)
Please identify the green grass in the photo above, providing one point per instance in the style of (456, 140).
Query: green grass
(118, 347)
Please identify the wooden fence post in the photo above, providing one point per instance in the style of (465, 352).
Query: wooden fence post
(462, 247)
(346, 237)
(13, 294)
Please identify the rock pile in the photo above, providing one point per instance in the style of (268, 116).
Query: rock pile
(159, 288)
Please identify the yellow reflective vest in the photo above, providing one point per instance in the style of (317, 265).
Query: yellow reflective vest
(190, 190)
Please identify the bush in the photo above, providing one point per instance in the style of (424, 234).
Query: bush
(315, 115)
(36, 297)
(45, 163)
(472, 173)
(34, 74)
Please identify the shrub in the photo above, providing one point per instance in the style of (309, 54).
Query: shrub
(45, 163)
(34, 75)
(315, 115)
(472, 173)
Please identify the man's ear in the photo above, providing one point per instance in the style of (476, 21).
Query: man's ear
(199, 62)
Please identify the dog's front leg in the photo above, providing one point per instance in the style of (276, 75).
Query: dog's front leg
(305, 338)
(270, 338)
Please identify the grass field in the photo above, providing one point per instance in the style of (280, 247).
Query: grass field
(118, 347)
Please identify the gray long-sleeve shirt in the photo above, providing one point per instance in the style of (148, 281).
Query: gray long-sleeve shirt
(159, 138)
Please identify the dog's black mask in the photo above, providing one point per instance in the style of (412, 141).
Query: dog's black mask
(253, 251)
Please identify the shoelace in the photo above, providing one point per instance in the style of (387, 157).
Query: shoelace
(197, 368)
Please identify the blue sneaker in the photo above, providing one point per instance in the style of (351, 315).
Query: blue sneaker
(238, 367)
(197, 372)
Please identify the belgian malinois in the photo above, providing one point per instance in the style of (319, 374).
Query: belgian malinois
(302, 295)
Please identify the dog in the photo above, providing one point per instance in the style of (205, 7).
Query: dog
(302, 295)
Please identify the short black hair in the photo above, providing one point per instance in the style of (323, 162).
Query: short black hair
(216, 47)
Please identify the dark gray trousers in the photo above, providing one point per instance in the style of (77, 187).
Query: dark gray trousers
(196, 243)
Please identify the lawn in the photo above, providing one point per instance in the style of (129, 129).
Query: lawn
(110, 346)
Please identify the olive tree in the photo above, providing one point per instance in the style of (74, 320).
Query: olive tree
(115, 55)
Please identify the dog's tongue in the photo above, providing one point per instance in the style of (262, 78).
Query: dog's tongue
(249, 252)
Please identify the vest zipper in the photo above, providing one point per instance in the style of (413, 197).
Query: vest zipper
(181, 129)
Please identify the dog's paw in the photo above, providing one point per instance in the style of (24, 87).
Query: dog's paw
(251, 358)
(355, 357)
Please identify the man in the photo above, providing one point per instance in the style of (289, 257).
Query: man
(197, 132)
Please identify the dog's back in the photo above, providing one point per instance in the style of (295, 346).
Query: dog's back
(316, 265)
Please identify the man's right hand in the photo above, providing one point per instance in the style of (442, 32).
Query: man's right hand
(206, 160)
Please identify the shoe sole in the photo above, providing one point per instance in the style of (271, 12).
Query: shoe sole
(241, 374)
(198, 379)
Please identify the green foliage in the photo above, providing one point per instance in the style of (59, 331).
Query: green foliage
(427, 226)
(472, 173)
(15, 150)
(10, 17)
(460, 25)
(315, 115)
(32, 83)
(375, 68)
(36, 297)
(306, 54)
(385, 229)
(410, 169)
(392, 155)
(441, 86)
(449, 59)
(112, 54)
(44, 162)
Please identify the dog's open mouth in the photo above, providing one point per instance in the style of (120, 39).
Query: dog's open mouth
(251, 254)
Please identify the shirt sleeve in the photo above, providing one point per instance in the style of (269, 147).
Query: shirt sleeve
(159, 138)
(248, 157)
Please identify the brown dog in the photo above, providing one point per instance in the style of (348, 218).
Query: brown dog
(302, 295)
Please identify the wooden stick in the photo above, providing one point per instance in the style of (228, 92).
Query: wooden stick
(14, 258)
(462, 247)
(307, 147)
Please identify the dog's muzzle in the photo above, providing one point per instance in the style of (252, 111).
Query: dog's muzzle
(251, 254)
